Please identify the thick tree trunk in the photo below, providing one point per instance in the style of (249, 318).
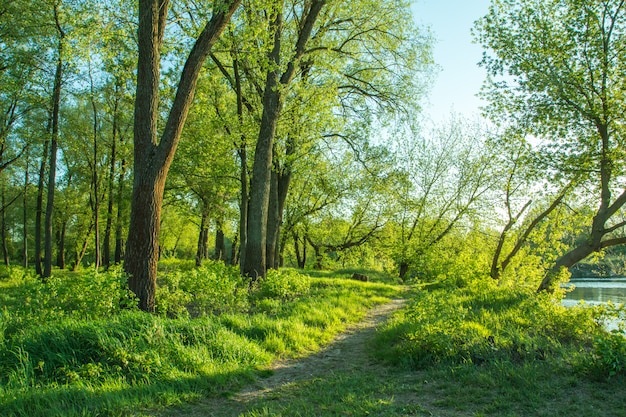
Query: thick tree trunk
(142, 247)
(153, 157)
(255, 264)
(256, 261)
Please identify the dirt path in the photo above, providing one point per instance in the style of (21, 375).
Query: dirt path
(347, 353)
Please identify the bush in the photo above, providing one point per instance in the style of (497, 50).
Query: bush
(283, 284)
(214, 288)
(485, 323)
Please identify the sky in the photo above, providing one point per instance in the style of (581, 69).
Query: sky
(459, 78)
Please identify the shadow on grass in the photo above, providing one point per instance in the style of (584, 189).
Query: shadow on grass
(468, 390)
(117, 398)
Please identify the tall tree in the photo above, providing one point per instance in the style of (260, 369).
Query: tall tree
(255, 258)
(564, 61)
(54, 139)
(153, 156)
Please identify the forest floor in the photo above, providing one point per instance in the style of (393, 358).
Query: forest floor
(341, 379)
(344, 379)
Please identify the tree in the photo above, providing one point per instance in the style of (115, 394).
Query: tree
(255, 257)
(564, 62)
(153, 156)
(446, 175)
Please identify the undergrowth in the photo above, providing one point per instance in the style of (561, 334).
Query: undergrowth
(76, 345)
(483, 323)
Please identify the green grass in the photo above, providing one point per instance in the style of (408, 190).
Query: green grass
(59, 358)
(436, 358)
(73, 347)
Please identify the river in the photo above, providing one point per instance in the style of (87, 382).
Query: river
(597, 291)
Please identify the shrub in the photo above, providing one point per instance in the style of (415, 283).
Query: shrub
(485, 323)
(211, 289)
(283, 284)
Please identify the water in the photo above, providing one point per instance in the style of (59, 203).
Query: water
(594, 291)
(597, 291)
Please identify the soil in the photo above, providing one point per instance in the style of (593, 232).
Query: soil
(347, 353)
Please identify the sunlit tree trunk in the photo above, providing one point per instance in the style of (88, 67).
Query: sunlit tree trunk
(153, 157)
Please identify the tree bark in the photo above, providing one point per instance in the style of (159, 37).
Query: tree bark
(606, 210)
(153, 157)
(220, 244)
(60, 240)
(106, 244)
(255, 257)
(56, 103)
(39, 205)
(256, 247)
(119, 236)
(5, 248)
(25, 214)
(203, 237)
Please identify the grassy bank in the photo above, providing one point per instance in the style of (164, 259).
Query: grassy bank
(480, 350)
(75, 347)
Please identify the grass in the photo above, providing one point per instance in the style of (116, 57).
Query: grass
(479, 350)
(59, 358)
(436, 359)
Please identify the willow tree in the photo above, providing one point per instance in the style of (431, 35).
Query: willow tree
(564, 63)
(153, 155)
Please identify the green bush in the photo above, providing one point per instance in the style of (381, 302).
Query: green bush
(483, 322)
(283, 284)
(211, 289)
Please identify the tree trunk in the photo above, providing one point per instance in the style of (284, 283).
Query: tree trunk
(404, 269)
(203, 238)
(119, 236)
(220, 244)
(153, 157)
(25, 215)
(56, 103)
(60, 239)
(94, 180)
(272, 222)
(256, 261)
(300, 256)
(255, 257)
(106, 245)
(83, 250)
(5, 248)
(39, 205)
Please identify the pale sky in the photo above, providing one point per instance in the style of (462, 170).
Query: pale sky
(459, 79)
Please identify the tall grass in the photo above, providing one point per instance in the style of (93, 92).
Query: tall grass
(76, 346)
(485, 323)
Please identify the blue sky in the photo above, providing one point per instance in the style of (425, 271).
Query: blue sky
(459, 78)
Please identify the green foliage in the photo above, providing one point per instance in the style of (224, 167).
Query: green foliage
(483, 322)
(89, 294)
(211, 289)
(58, 358)
(284, 284)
